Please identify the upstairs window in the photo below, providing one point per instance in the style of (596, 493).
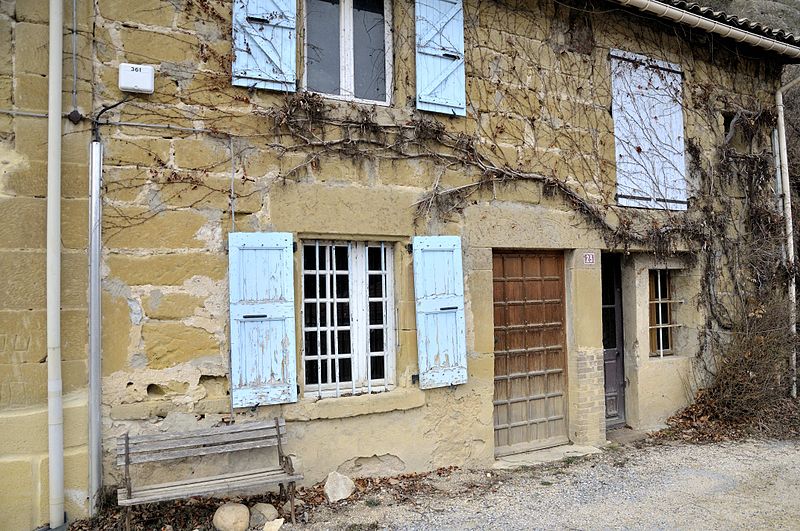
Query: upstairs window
(348, 317)
(348, 49)
(647, 106)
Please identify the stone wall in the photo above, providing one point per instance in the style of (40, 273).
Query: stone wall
(538, 92)
(23, 190)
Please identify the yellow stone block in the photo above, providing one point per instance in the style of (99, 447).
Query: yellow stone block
(159, 305)
(150, 47)
(143, 229)
(170, 343)
(31, 48)
(341, 209)
(6, 46)
(17, 496)
(116, 333)
(166, 270)
(22, 223)
(146, 152)
(150, 12)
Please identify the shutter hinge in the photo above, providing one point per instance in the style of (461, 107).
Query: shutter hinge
(294, 247)
(410, 248)
(415, 379)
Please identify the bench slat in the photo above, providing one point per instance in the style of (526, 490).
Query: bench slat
(204, 487)
(189, 441)
(232, 428)
(203, 479)
(167, 455)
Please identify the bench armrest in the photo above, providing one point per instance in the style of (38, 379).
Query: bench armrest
(286, 463)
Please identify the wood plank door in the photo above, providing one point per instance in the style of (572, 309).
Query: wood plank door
(613, 353)
(530, 403)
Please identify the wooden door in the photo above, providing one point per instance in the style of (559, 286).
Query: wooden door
(613, 354)
(530, 405)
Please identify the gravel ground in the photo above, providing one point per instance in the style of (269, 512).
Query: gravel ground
(743, 485)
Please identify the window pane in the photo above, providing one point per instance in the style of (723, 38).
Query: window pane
(342, 286)
(376, 286)
(342, 314)
(322, 46)
(310, 314)
(311, 372)
(341, 258)
(311, 344)
(345, 370)
(374, 258)
(369, 49)
(375, 313)
(308, 287)
(344, 342)
(609, 327)
(323, 257)
(308, 258)
(376, 367)
(376, 340)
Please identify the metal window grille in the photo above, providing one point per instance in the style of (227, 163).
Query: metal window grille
(348, 318)
(661, 313)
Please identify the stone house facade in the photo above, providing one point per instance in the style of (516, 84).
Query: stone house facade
(421, 232)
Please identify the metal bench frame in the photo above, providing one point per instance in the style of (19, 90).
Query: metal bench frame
(233, 438)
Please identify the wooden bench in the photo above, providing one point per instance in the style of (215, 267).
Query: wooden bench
(233, 438)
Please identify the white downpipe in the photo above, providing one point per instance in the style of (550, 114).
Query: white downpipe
(55, 413)
(789, 228)
(724, 30)
(95, 344)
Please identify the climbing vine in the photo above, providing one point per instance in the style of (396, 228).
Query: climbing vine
(539, 99)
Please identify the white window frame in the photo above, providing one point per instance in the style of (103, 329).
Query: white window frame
(346, 61)
(359, 326)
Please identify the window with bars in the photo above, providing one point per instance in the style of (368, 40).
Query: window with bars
(348, 317)
(662, 313)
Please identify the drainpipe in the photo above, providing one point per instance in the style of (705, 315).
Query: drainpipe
(55, 413)
(681, 16)
(787, 215)
(95, 316)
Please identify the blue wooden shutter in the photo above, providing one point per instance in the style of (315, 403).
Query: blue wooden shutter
(440, 56)
(439, 293)
(647, 105)
(263, 366)
(264, 44)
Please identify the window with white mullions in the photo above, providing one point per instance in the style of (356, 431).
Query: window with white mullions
(348, 317)
(661, 313)
(348, 49)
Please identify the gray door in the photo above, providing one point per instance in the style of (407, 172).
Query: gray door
(613, 354)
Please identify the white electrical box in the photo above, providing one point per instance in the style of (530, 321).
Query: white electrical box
(136, 78)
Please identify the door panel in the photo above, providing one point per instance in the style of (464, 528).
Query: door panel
(530, 354)
(613, 354)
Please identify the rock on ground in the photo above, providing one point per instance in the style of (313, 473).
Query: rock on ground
(273, 525)
(261, 513)
(232, 517)
(338, 487)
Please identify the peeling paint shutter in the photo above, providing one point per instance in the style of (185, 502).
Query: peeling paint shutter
(265, 41)
(439, 293)
(647, 105)
(440, 56)
(263, 366)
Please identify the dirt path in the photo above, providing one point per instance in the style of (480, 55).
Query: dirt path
(752, 485)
